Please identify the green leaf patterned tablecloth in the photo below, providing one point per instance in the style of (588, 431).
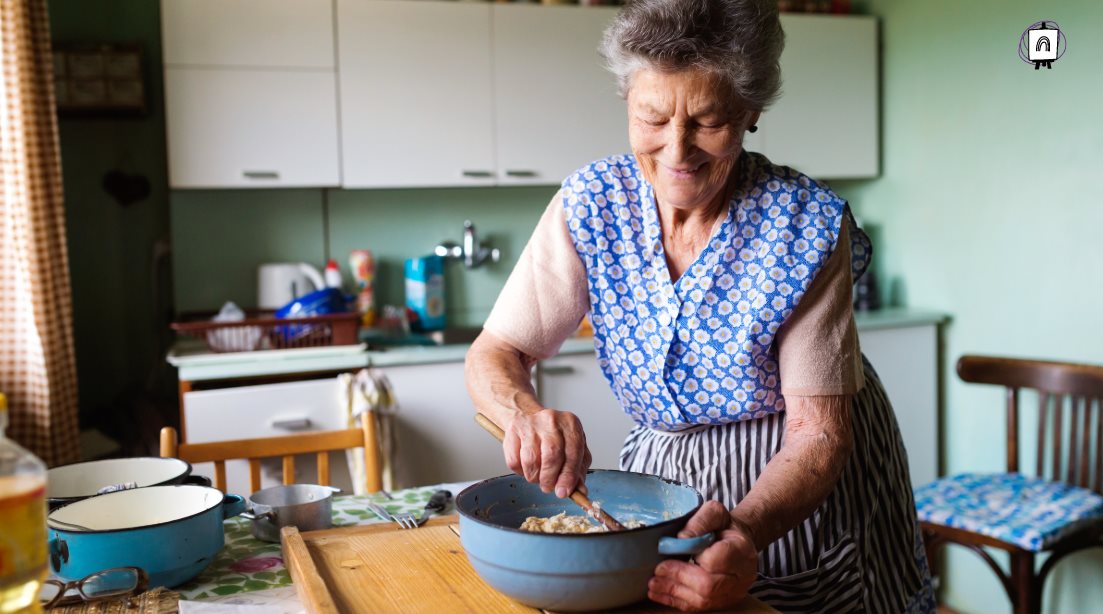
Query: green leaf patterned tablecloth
(247, 564)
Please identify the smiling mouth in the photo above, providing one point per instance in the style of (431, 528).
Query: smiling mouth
(684, 173)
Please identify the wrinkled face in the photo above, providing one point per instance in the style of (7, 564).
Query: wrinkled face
(686, 135)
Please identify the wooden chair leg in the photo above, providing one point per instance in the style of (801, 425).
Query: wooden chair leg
(1028, 594)
(932, 545)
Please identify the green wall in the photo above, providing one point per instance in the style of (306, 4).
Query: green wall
(117, 331)
(220, 236)
(987, 209)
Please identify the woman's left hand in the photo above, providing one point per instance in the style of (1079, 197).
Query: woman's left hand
(722, 574)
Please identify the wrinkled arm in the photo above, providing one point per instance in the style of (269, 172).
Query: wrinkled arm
(499, 379)
(546, 446)
(817, 444)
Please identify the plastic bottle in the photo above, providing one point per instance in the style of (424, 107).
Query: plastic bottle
(23, 518)
(362, 264)
(332, 274)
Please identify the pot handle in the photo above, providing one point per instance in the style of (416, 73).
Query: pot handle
(59, 552)
(685, 546)
(253, 515)
(199, 480)
(232, 505)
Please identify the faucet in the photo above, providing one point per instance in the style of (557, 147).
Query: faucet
(472, 251)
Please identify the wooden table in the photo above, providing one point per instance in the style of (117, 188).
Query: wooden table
(382, 569)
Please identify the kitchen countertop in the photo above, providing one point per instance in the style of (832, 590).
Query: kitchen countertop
(196, 363)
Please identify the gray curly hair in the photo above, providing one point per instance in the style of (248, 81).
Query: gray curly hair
(737, 41)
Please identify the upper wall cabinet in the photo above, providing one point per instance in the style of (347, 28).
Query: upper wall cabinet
(250, 93)
(459, 94)
(556, 108)
(455, 94)
(825, 124)
(417, 105)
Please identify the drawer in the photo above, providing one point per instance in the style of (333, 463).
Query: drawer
(268, 410)
(262, 411)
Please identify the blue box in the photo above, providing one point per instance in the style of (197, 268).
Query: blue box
(425, 291)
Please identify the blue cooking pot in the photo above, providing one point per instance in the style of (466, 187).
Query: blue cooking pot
(172, 532)
(576, 572)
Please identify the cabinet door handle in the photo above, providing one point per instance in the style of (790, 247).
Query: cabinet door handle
(557, 370)
(477, 174)
(517, 173)
(260, 174)
(292, 424)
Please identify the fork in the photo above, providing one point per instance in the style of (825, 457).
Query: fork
(383, 514)
(437, 503)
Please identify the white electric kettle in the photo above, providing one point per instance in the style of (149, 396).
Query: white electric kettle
(279, 283)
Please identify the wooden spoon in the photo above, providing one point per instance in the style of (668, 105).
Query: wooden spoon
(582, 500)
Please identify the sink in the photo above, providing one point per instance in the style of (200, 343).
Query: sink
(453, 335)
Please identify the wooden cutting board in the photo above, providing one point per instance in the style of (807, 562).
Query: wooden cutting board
(382, 569)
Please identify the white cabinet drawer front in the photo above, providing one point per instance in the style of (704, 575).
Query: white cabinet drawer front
(230, 128)
(272, 33)
(556, 108)
(416, 95)
(271, 410)
(262, 411)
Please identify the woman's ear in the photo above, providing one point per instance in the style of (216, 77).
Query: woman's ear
(752, 119)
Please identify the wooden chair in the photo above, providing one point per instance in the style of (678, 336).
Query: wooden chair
(286, 446)
(1058, 511)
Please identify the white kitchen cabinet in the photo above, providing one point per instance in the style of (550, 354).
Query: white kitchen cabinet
(416, 93)
(462, 94)
(248, 33)
(438, 438)
(575, 383)
(826, 122)
(439, 441)
(230, 128)
(250, 93)
(556, 108)
(906, 359)
(267, 410)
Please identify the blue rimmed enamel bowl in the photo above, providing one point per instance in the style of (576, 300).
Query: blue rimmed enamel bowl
(576, 572)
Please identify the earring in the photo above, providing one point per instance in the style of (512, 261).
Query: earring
(752, 129)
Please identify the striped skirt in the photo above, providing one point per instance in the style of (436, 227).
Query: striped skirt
(860, 551)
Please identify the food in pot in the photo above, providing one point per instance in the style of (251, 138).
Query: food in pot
(562, 523)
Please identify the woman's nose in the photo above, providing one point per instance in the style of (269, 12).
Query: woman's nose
(680, 141)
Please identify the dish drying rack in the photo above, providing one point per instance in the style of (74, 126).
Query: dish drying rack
(263, 331)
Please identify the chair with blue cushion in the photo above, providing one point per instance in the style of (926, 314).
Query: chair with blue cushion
(1056, 511)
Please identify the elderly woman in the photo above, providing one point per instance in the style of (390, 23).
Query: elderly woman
(718, 285)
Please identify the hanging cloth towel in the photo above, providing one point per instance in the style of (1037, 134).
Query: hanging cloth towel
(370, 390)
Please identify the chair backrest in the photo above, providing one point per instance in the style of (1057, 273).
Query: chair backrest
(1061, 386)
(286, 446)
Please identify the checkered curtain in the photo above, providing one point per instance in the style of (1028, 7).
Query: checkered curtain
(37, 364)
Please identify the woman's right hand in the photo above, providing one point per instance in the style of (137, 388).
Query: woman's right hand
(548, 448)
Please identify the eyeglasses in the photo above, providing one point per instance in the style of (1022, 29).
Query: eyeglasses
(109, 583)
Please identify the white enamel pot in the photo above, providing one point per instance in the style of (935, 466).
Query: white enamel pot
(69, 483)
